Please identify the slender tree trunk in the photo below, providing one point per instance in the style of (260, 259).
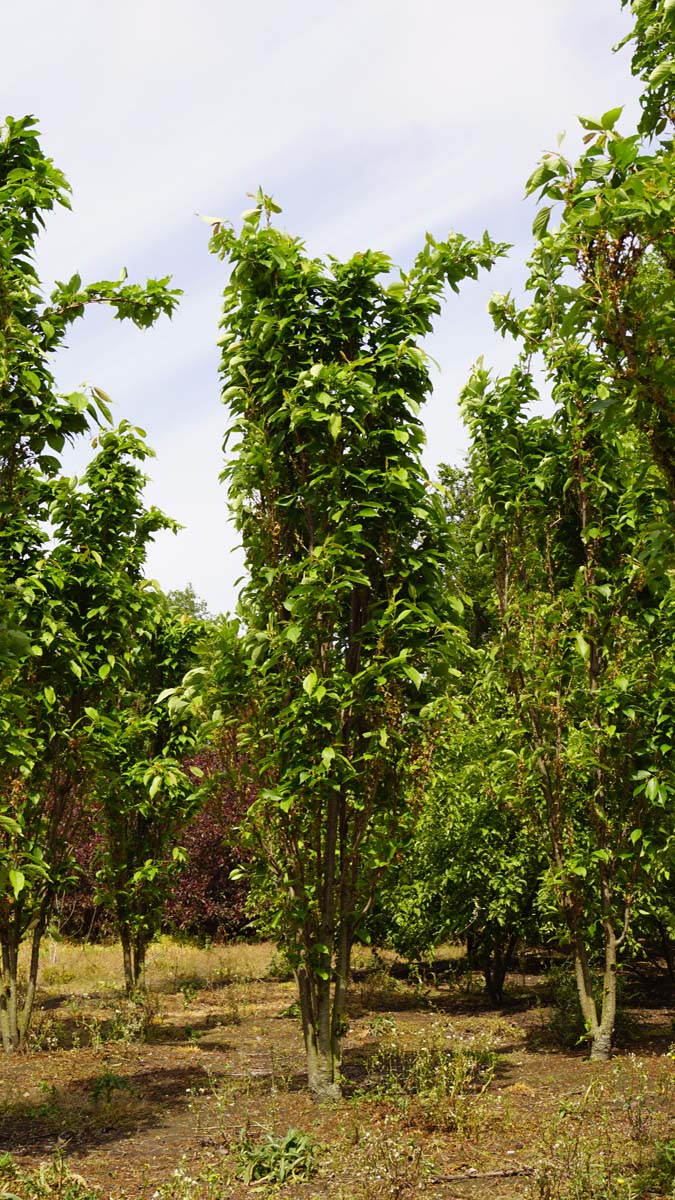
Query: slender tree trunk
(127, 957)
(323, 1065)
(138, 962)
(134, 947)
(9, 1026)
(36, 942)
(600, 1026)
(496, 963)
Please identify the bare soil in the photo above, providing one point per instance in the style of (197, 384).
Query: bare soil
(153, 1099)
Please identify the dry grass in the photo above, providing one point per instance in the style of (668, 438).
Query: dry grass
(87, 968)
(150, 1097)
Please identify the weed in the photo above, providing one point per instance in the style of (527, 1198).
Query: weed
(231, 1015)
(133, 1019)
(380, 989)
(585, 1160)
(437, 1085)
(380, 1025)
(659, 1176)
(291, 1011)
(190, 985)
(43, 1033)
(287, 1159)
(107, 1083)
(279, 967)
(583, 1175)
(394, 1168)
(53, 1181)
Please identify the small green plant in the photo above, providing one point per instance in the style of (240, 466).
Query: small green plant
(660, 1174)
(291, 1011)
(51, 1181)
(439, 1084)
(190, 986)
(133, 1019)
(581, 1161)
(107, 1083)
(279, 966)
(43, 1034)
(392, 1169)
(381, 1025)
(287, 1159)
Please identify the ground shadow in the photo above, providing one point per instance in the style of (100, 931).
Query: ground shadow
(99, 1109)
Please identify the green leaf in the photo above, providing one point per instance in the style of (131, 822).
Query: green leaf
(414, 675)
(309, 682)
(609, 119)
(17, 881)
(540, 223)
(582, 646)
(663, 71)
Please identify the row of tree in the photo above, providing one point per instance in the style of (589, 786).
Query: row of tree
(458, 698)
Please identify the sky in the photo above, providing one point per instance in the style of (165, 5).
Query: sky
(369, 122)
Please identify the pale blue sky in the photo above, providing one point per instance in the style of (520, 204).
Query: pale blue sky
(370, 122)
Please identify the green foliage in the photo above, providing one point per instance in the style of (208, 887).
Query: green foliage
(575, 515)
(51, 1181)
(71, 557)
(145, 791)
(288, 1159)
(324, 377)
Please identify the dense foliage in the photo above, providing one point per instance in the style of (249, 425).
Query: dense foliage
(444, 711)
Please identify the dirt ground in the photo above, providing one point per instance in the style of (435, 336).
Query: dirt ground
(172, 1098)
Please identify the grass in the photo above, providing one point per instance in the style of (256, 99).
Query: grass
(196, 1091)
(170, 965)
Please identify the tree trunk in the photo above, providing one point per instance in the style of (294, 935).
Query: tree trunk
(134, 947)
(27, 1007)
(140, 947)
(127, 958)
(9, 1024)
(667, 945)
(15, 1016)
(322, 1047)
(600, 1028)
(496, 961)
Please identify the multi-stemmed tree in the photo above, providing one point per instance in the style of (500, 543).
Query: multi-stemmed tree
(576, 516)
(65, 638)
(323, 375)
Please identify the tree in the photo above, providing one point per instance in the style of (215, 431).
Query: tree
(473, 865)
(146, 787)
(61, 648)
(324, 377)
(472, 869)
(576, 515)
(568, 513)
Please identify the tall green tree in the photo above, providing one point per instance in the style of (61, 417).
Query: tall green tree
(146, 790)
(577, 517)
(324, 376)
(568, 514)
(62, 640)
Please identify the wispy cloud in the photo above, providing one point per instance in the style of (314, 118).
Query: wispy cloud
(371, 120)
